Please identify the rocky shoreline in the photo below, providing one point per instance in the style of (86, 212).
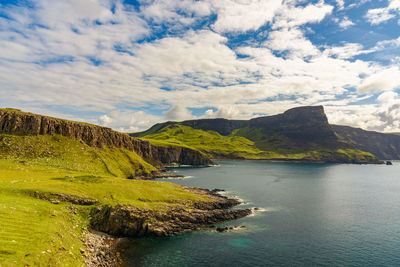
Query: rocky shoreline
(129, 221)
(108, 223)
(101, 250)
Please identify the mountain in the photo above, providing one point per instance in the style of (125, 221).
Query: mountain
(302, 133)
(384, 146)
(118, 151)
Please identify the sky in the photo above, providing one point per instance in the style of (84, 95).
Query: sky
(130, 64)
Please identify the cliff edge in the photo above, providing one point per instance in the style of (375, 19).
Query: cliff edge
(16, 122)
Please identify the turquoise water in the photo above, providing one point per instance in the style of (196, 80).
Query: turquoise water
(314, 215)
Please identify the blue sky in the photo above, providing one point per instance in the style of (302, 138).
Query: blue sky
(130, 64)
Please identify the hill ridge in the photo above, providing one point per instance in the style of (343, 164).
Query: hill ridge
(297, 130)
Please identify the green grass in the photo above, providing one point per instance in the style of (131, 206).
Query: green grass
(39, 233)
(208, 142)
(65, 153)
(249, 143)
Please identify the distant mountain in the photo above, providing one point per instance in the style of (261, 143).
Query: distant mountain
(301, 133)
(384, 146)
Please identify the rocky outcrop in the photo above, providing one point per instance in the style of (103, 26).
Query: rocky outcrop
(56, 198)
(129, 221)
(18, 122)
(302, 124)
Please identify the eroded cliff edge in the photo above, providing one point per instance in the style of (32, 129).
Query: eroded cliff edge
(16, 122)
(186, 216)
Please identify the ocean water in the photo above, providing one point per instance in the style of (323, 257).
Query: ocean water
(312, 215)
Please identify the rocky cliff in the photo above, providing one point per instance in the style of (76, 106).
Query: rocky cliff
(126, 220)
(302, 123)
(17, 122)
(301, 134)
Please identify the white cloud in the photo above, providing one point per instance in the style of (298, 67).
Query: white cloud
(387, 97)
(191, 69)
(380, 15)
(340, 4)
(293, 16)
(239, 15)
(178, 113)
(348, 50)
(293, 41)
(128, 121)
(382, 80)
(345, 23)
(227, 112)
(160, 11)
(387, 44)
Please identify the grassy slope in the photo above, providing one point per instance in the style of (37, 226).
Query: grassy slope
(237, 145)
(39, 233)
(59, 151)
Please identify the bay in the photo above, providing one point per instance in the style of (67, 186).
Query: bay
(310, 215)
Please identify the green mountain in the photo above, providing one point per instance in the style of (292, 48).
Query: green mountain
(382, 145)
(302, 134)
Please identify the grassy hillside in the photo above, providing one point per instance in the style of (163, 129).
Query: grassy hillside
(208, 142)
(65, 153)
(250, 143)
(39, 233)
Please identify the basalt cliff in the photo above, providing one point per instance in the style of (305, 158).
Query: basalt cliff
(20, 123)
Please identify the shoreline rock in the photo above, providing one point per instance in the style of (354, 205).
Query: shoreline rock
(129, 221)
(101, 250)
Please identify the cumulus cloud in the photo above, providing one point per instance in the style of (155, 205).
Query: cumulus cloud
(292, 41)
(107, 58)
(128, 121)
(293, 16)
(227, 112)
(178, 113)
(238, 15)
(382, 80)
(345, 23)
(395, 43)
(380, 15)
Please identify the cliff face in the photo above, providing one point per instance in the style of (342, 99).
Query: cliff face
(302, 133)
(125, 220)
(17, 122)
(300, 124)
(384, 146)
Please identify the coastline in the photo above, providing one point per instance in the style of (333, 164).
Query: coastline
(110, 223)
(301, 161)
(129, 221)
(101, 250)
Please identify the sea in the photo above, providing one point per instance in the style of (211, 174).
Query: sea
(307, 214)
